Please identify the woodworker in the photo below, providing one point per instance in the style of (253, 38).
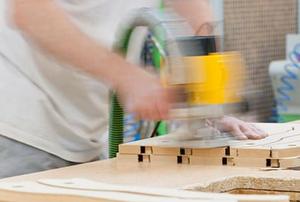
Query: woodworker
(56, 68)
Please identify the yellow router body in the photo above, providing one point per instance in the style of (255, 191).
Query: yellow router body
(214, 79)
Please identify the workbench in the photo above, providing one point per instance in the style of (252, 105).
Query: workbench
(200, 178)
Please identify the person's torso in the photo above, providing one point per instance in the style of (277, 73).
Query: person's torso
(74, 99)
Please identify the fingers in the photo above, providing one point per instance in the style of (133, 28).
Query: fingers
(252, 132)
(163, 111)
(150, 109)
(236, 131)
(155, 111)
(147, 98)
(249, 132)
(149, 112)
(258, 131)
(241, 129)
(159, 108)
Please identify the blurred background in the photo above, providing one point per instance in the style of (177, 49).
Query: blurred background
(259, 30)
(1, 13)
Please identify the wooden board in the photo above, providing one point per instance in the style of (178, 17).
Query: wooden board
(49, 190)
(126, 173)
(197, 178)
(280, 150)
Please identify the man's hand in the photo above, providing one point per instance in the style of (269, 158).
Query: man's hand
(144, 96)
(240, 129)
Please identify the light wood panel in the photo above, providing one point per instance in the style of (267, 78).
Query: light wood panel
(86, 191)
(133, 175)
(281, 149)
(174, 176)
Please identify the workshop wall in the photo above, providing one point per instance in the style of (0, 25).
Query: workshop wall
(258, 29)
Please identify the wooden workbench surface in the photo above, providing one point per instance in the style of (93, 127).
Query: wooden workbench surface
(204, 178)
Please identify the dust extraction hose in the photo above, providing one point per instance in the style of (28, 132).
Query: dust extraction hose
(165, 27)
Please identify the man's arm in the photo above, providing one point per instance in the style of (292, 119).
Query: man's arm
(47, 25)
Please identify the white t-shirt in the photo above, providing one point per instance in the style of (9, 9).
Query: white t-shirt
(49, 105)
